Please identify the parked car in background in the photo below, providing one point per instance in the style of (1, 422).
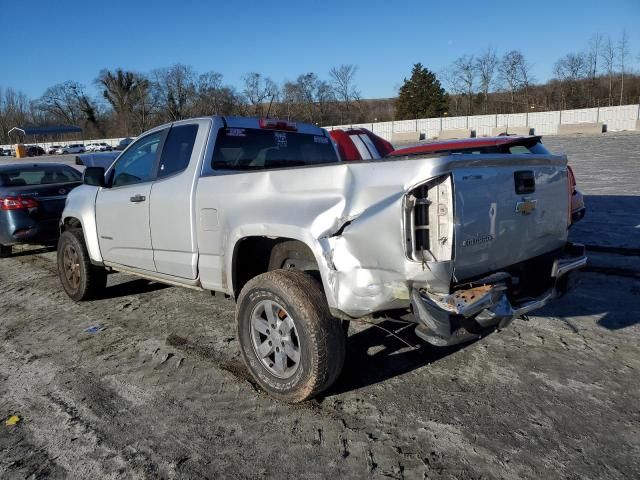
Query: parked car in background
(99, 147)
(34, 150)
(97, 159)
(361, 144)
(122, 144)
(7, 152)
(104, 147)
(505, 144)
(73, 148)
(32, 197)
(264, 210)
(53, 149)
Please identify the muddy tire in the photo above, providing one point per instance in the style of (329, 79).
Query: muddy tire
(5, 251)
(79, 278)
(289, 341)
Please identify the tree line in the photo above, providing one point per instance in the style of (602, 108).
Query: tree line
(487, 82)
(130, 102)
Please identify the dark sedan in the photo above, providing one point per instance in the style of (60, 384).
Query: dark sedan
(32, 197)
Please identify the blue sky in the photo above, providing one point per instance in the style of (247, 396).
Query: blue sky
(46, 42)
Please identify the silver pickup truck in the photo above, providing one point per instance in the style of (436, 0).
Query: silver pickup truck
(265, 211)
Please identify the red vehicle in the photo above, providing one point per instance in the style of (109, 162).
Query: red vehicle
(362, 144)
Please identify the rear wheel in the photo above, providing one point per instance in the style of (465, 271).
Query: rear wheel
(80, 279)
(288, 339)
(5, 251)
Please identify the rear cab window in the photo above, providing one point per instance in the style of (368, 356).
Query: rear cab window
(27, 176)
(251, 149)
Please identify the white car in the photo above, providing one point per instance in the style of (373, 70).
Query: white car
(103, 147)
(99, 147)
(73, 148)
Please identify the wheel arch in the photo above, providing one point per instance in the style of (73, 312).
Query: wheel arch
(255, 254)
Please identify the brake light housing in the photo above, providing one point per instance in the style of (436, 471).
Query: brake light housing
(275, 124)
(17, 203)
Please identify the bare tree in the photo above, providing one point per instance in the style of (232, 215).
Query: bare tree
(258, 90)
(526, 78)
(62, 102)
(325, 98)
(123, 90)
(213, 97)
(510, 70)
(14, 111)
(452, 85)
(486, 64)
(593, 55)
(344, 87)
(569, 70)
(465, 70)
(608, 56)
(174, 88)
(623, 55)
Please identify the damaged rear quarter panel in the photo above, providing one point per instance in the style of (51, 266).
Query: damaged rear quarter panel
(349, 214)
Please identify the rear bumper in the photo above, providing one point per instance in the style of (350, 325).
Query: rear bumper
(466, 314)
(29, 231)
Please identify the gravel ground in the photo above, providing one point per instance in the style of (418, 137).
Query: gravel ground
(158, 390)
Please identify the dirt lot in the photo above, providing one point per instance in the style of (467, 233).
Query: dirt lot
(159, 390)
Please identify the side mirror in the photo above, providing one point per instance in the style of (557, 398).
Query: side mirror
(94, 176)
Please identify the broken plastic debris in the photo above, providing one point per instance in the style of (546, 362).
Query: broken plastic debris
(12, 420)
(94, 329)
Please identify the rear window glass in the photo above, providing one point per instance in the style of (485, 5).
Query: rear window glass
(38, 176)
(262, 149)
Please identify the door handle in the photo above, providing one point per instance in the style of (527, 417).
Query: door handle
(137, 198)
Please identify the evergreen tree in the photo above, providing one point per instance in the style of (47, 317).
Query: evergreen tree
(421, 96)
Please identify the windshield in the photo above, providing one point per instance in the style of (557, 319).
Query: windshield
(40, 175)
(262, 149)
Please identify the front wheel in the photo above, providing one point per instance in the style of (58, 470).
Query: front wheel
(79, 277)
(288, 339)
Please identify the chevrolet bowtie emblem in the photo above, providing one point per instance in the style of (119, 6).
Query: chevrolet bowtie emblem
(525, 207)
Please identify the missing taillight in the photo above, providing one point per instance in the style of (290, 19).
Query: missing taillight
(17, 203)
(429, 221)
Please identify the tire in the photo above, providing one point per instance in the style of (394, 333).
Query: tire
(294, 298)
(79, 278)
(5, 251)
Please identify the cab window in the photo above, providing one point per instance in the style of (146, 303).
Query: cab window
(137, 164)
(177, 149)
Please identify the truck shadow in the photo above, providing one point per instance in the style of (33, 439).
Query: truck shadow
(374, 356)
(131, 287)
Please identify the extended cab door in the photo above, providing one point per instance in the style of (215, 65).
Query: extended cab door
(172, 209)
(122, 209)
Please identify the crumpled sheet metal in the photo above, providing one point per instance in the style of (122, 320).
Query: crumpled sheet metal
(349, 214)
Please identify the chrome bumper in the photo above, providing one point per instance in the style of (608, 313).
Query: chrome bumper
(466, 314)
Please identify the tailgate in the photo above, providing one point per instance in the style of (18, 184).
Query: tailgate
(508, 210)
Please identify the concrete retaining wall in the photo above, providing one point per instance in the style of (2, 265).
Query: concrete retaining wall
(453, 134)
(624, 117)
(405, 136)
(495, 131)
(571, 128)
